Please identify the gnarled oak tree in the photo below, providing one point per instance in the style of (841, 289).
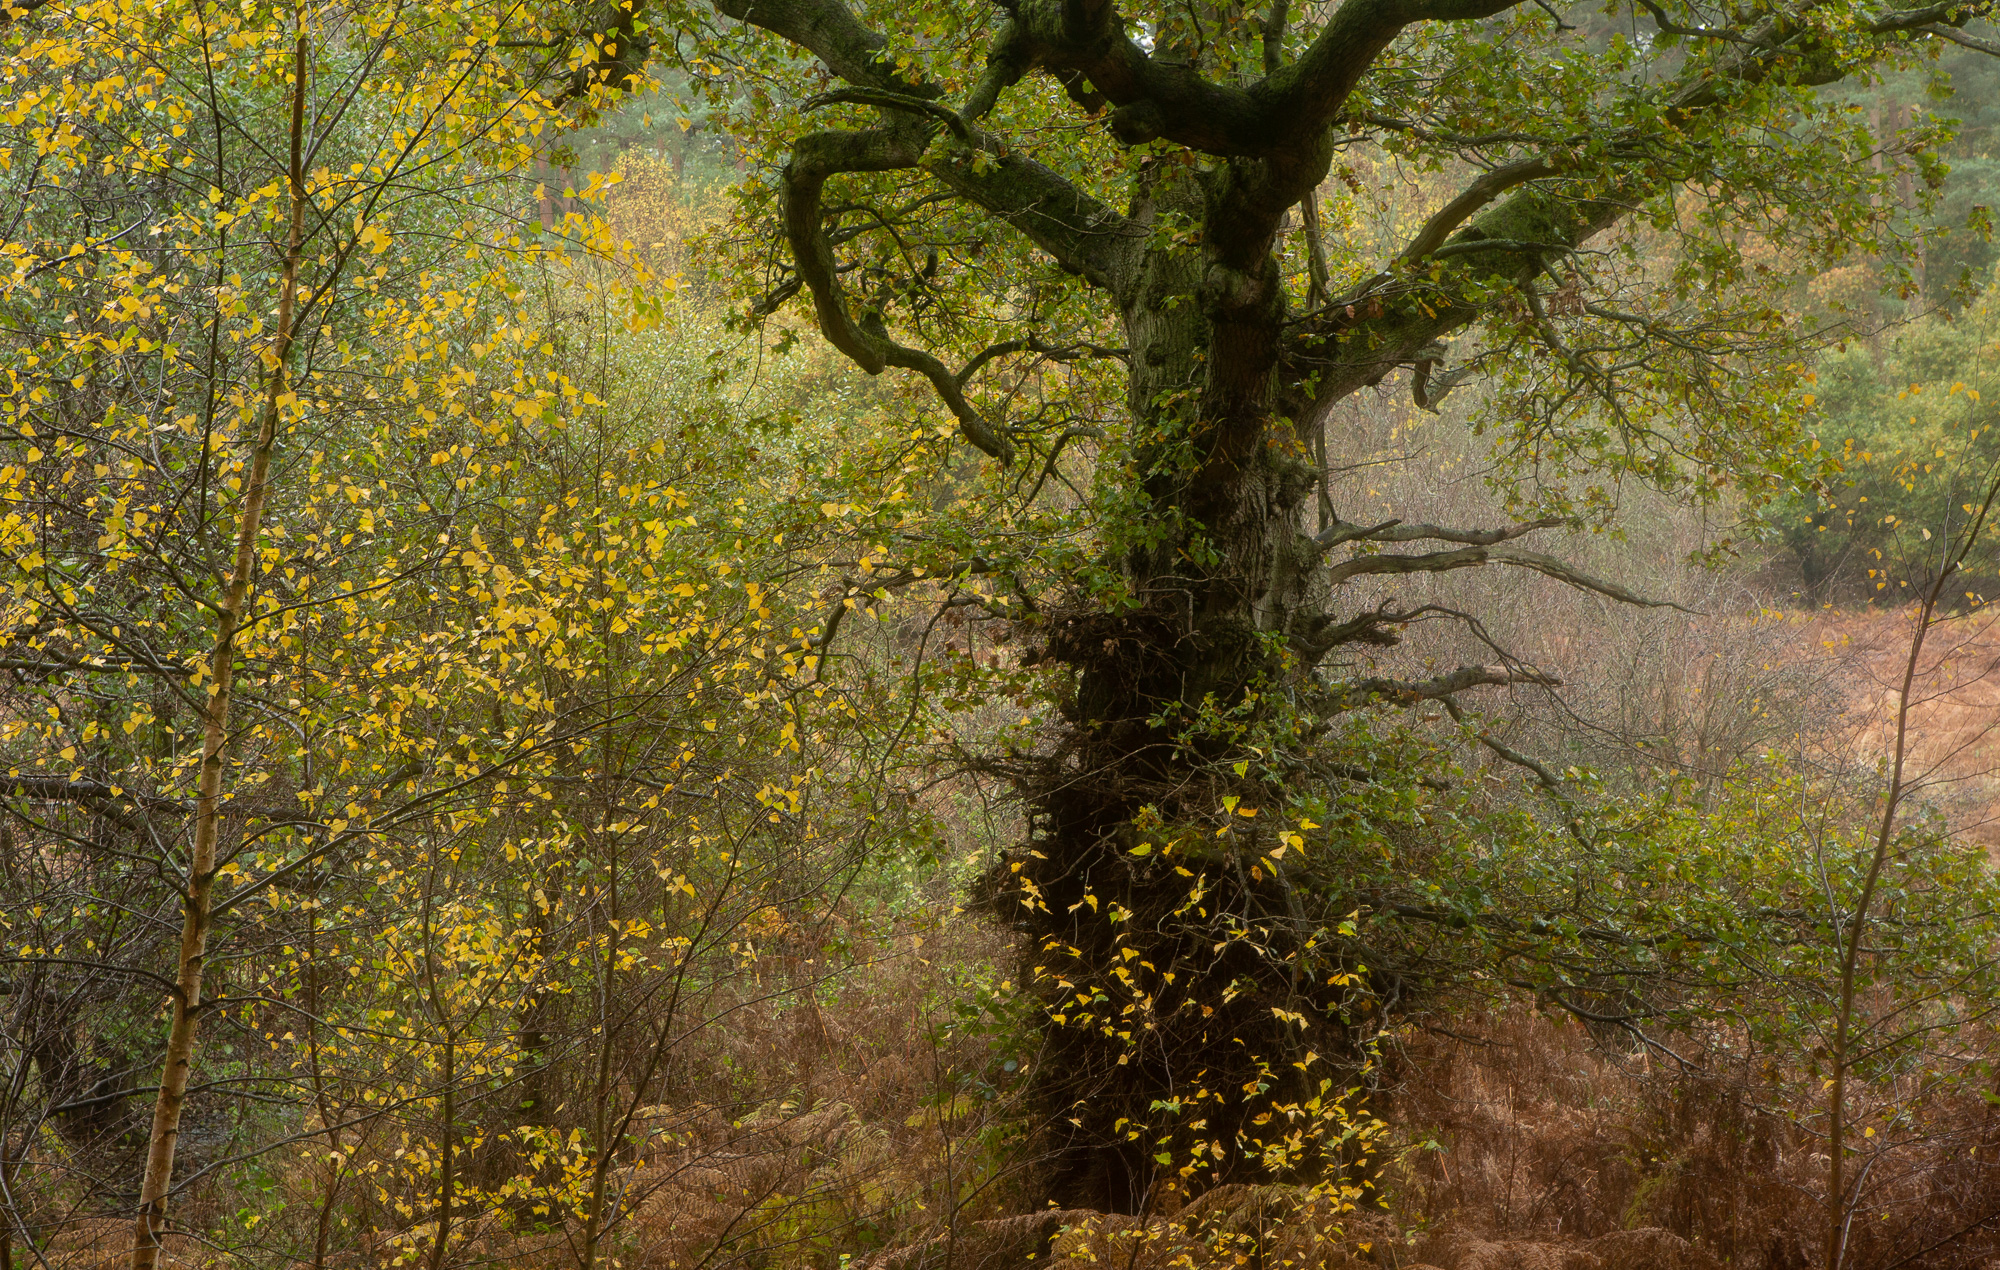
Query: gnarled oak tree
(1026, 202)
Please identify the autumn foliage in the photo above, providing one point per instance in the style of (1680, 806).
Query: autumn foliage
(513, 752)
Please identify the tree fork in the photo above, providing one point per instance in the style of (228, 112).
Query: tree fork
(197, 900)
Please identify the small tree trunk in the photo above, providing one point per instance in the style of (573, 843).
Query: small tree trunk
(1850, 954)
(323, 1220)
(600, 1121)
(448, 1169)
(1839, 1211)
(7, 1199)
(197, 900)
(17, 1081)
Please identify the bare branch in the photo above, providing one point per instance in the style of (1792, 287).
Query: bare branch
(1397, 531)
(1508, 753)
(1457, 140)
(63, 789)
(1471, 537)
(1958, 37)
(1364, 628)
(1408, 692)
(96, 796)
(1345, 531)
(1561, 572)
(95, 665)
(1473, 557)
(1034, 344)
(1667, 26)
(1429, 392)
(894, 101)
(1951, 12)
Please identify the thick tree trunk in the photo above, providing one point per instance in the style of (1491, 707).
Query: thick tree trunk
(1162, 950)
(197, 900)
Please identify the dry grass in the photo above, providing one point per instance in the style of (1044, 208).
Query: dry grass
(1542, 1134)
(1954, 726)
(871, 1117)
(1685, 692)
(105, 1243)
